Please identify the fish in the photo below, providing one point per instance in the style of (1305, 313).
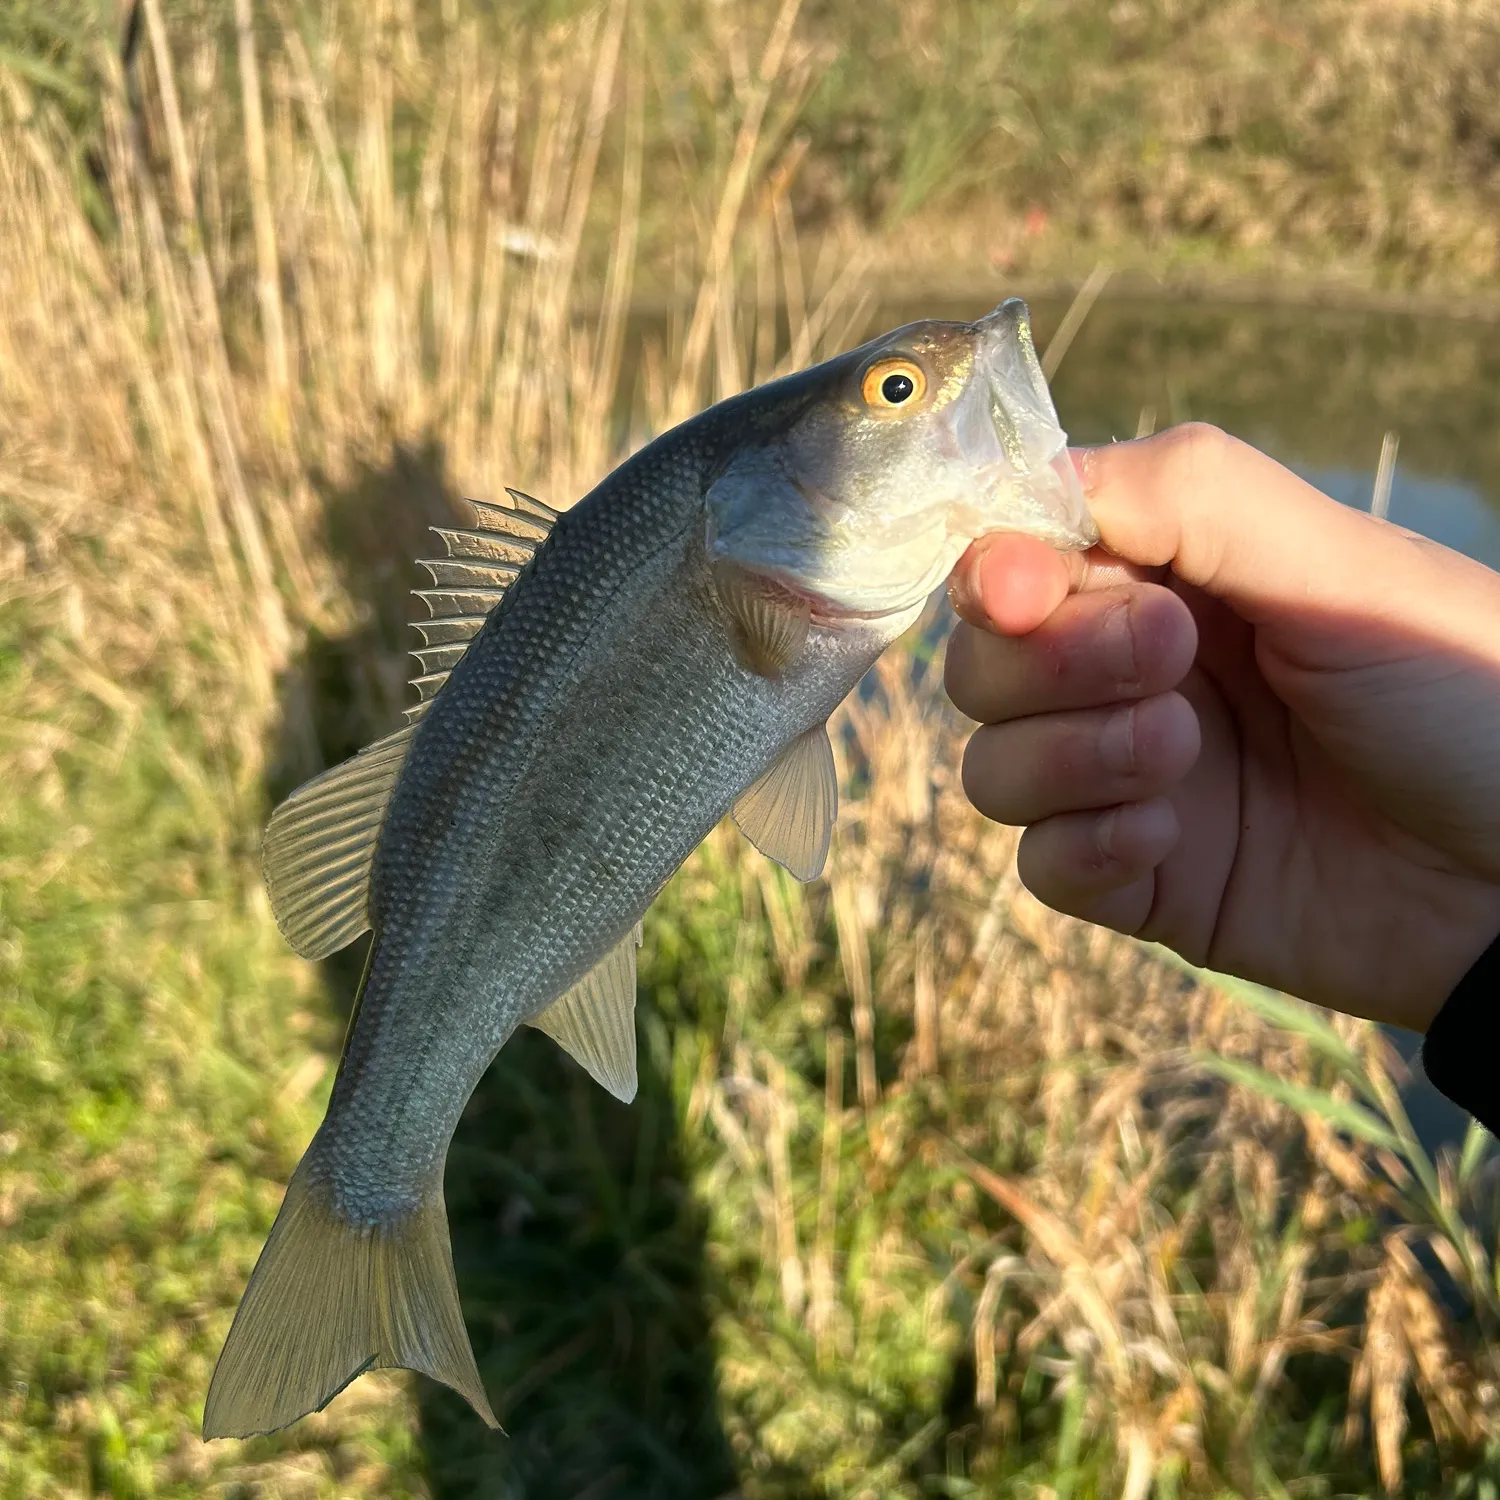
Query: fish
(599, 687)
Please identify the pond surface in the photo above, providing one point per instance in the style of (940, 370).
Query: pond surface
(1318, 391)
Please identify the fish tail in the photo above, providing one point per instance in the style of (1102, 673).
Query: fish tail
(330, 1299)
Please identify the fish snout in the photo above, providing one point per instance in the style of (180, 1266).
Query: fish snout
(1012, 433)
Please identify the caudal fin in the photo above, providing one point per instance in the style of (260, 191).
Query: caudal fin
(328, 1300)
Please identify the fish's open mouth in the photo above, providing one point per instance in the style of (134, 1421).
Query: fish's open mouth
(849, 517)
(1008, 430)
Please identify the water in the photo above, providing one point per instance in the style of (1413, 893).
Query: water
(1317, 391)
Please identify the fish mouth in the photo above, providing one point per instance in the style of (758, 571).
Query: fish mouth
(1008, 430)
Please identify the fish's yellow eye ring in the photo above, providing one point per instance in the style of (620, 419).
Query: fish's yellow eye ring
(894, 385)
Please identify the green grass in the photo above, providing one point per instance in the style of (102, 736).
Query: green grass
(161, 1063)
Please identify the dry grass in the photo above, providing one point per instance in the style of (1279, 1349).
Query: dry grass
(965, 1199)
(1352, 140)
(1213, 1242)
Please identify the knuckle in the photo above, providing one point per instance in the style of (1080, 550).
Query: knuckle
(1198, 465)
(1194, 455)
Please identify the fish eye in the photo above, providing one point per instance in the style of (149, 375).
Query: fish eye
(891, 384)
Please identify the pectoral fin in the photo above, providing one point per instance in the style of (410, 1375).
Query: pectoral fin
(594, 1022)
(767, 625)
(789, 813)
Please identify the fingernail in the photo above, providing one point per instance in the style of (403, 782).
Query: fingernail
(1105, 829)
(1117, 742)
(1118, 629)
(1085, 460)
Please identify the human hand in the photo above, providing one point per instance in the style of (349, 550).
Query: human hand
(1261, 728)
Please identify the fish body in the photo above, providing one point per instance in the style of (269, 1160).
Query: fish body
(597, 729)
(671, 650)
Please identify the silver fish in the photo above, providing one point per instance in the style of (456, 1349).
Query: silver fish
(600, 687)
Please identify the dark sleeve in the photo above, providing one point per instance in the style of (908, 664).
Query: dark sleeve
(1459, 1055)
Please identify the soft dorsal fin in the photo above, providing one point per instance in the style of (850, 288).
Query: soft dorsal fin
(320, 844)
(594, 1022)
(470, 581)
(788, 814)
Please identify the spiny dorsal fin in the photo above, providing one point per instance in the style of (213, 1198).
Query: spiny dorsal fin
(470, 581)
(788, 814)
(465, 573)
(448, 629)
(594, 1022)
(538, 509)
(320, 844)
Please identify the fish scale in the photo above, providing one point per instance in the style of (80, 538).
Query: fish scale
(599, 689)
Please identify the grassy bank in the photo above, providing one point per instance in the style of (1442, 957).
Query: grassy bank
(927, 1192)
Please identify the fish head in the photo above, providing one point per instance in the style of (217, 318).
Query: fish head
(892, 459)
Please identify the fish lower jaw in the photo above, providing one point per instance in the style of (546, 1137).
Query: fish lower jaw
(824, 612)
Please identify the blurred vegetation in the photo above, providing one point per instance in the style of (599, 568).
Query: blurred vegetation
(928, 1192)
(1351, 140)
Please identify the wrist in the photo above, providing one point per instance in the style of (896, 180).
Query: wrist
(1457, 1052)
(1452, 964)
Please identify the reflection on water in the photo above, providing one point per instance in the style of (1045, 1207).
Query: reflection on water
(1318, 392)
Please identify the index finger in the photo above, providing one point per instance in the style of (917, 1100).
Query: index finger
(1229, 520)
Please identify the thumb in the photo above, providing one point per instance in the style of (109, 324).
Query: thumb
(1232, 522)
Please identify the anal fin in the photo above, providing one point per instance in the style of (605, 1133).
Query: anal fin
(594, 1022)
(789, 813)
